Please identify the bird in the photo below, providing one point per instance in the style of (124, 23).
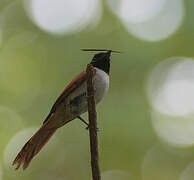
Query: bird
(71, 104)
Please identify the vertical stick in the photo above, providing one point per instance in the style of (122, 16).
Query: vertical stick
(92, 123)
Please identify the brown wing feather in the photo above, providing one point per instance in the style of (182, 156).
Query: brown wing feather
(41, 137)
(75, 83)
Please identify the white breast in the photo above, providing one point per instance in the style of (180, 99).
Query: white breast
(77, 101)
(101, 84)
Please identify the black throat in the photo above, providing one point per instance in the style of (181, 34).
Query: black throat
(102, 61)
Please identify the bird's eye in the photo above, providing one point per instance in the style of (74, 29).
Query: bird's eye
(94, 59)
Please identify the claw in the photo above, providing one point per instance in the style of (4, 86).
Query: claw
(97, 129)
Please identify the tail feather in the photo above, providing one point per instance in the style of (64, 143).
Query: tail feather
(33, 147)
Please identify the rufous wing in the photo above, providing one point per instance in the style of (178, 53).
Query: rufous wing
(74, 84)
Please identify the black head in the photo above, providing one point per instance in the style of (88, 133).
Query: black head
(102, 61)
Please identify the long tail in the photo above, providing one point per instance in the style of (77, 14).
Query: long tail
(33, 147)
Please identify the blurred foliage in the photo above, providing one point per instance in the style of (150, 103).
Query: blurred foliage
(36, 66)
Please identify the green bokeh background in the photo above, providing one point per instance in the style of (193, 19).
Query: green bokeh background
(36, 66)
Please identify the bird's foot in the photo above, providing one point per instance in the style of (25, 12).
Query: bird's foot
(97, 129)
(79, 117)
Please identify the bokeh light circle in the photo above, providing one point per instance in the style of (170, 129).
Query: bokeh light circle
(159, 164)
(150, 20)
(10, 122)
(15, 145)
(188, 172)
(62, 16)
(116, 175)
(170, 88)
(184, 90)
(136, 11)
(174, 131)
(171, 85)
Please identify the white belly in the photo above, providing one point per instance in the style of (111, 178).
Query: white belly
(78, 101)
(101, 84)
